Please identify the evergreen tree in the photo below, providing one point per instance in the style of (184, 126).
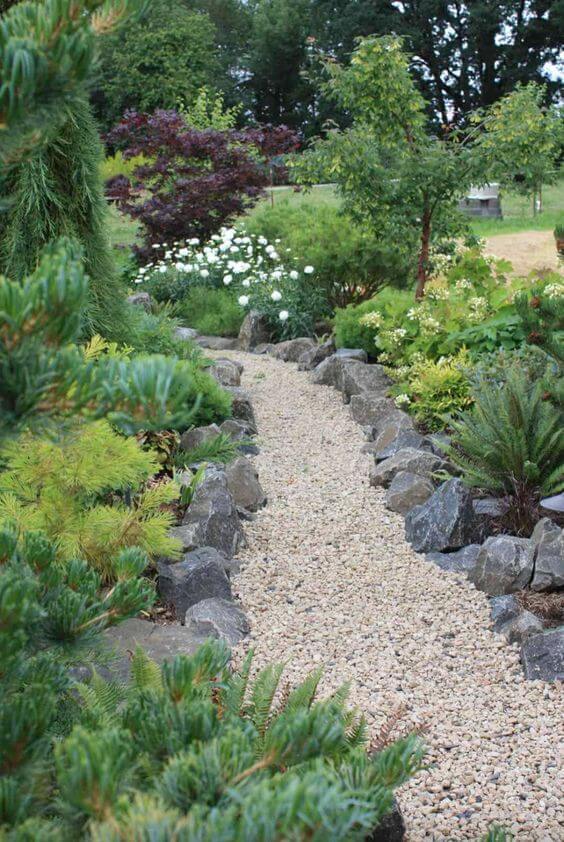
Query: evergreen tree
(54, 186)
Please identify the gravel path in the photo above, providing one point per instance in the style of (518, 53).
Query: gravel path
(328, 579)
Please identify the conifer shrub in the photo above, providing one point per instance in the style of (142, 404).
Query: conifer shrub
(91, 492)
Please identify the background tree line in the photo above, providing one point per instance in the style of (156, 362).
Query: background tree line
(266, 54)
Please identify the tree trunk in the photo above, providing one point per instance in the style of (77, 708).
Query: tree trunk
(423, 261)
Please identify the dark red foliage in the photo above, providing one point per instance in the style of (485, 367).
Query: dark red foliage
(194, 181)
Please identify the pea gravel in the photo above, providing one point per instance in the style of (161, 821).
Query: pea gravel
(327, 578)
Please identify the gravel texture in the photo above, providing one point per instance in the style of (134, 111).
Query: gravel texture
(327, 578)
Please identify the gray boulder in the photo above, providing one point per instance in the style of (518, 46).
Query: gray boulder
(406, 491)
(141, 299)
(353, 354)
(328, 372)
(408, 459)
(226, 372)
(389, 429)
(185, 334)
(504, 609)
(542, 656)
(504, 565)
(358, 378)
(200, 575)
(458, 561)
(446, 521)
(211, 520)
(291, 350)
(264, 348)
(243, 483)
(197, 436)
(241, 406)
(160, 642)
(254, 331)
(311, 358)
(230, 565)
(217, 343)
(525, 625)
(217, 618)
(373, 410)
(240, 431)
(405, 438)
(438, 443)
(547, 546)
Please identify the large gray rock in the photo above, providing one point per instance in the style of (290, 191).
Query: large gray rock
(406, 491)
(241, 406)
(311, 358)
(547, 546)
(292, 349)
(211, 519)
(374, 410)
(352, 354)
(230, 565)
(198, 576)
(409, 459)
(243, 483)
(458, 561)
(542, 656)
(217, 343)
(405, 438)
(504, 565)
(158, 641)
(217, 618)
(197, 436)
(445, 522)
(328, 372)
(226, 372)
(358, 378)
(504, 609)
(388, 430)
(185, 334)
(242, 432)
(141, 299)
(264, 348)
(525, 625)
(254, 331)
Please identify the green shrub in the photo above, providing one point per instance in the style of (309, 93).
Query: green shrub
(512, 443)
(350, 329)
(435, 392)
(214, 312)
(116, 164)
(351, 264)
(88, 493)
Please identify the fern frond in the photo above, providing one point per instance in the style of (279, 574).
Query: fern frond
(145, 673)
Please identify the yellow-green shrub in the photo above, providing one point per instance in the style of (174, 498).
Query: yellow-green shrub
(89, 493)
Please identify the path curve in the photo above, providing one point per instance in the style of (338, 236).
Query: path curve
(328, 578)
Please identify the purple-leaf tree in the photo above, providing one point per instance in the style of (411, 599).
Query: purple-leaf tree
(193, 181)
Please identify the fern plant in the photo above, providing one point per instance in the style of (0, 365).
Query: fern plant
(222, 448)
(512, 443)
(90, 492)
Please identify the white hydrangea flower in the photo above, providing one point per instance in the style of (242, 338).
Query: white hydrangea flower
(283, 315)
(275, 295)
(227, 279)
(162, 269)
(294, 275)
(204, 273)
(243, 300)
(246, 282)
(308, 270)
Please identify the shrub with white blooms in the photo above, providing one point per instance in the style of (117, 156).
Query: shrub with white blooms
(250, 267)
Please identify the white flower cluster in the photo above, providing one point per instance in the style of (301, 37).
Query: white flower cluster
(402, 401)
(553, 291)
(478, 308)
(229, 258)
(374, 319)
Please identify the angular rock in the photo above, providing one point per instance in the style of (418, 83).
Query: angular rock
(230, 565)
(390, 829)
(547, 545)
(406, 491)
(437, 443)
(197, 436)
(185, 334)
(504, 565)
(310, 359)
(525, 625)
(243, 483)
(373, 410)
(390, 429)
(459, 561)
(254, 331)
(353, 354)
(328, 372)
(241, 406)
(405, 438)
(446, 521)
(217, 618)
(409, 459)
(358, 378)
(198, 576)
(264, 348)
(239, 431)
(291, 350)
(158, 641)
(211, 519)
(141, 299)
(542, 656)
(504, 609)
(218, 343)
(226, 372)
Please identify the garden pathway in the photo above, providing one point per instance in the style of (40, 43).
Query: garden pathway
(328, 578)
